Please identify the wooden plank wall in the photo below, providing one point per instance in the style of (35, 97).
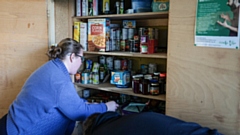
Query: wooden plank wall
(24, 42)
(64, 10)
(203, 84)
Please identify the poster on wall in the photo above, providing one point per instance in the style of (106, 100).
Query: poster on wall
(217, 24)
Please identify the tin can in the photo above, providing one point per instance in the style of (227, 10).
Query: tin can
(117, 64)
(124, 64)
(109, 62)
(102, 59)
(142, 31)
(130, 62)
(113, 33)
(144, 68)
(118, 44)
(122, 45)
(77, 77)
(113, 44)
(95, 78)
(124, 33)
(151, 33)
(131, 45)
(89, 64)
(136, 47)
(85, 77)
(130, 33)
(118, 33)
(144, 39)
(152, 67)
(90, 78)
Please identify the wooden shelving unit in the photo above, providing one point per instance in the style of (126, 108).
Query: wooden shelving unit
(136, 16)
(129, 54)
(112, 88)
(148, 19)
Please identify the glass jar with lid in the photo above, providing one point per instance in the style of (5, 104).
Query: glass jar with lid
(144, 86)
(154, 87)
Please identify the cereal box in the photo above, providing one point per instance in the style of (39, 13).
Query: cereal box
(76, 31)
(98, 34)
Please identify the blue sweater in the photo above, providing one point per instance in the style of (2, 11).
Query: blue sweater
(48, 103)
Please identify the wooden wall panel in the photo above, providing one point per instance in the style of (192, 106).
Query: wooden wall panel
(24, 42)
(64, 11)
(203, 84)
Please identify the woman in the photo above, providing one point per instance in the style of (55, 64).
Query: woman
(48, 103)
(234, 5)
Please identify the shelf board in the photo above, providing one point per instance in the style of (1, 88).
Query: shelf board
(129, 54)
(112, 88)
(145, 15)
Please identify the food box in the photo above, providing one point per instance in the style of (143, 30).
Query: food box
(76, 31)
(129, 23)
(120, 77)
(98, 32)
(83, 35)
(160, 5)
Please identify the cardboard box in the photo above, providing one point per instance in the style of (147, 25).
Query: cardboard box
(129, 23)
(83, 35)
(120, 77)
(76, 31)
(98, 32)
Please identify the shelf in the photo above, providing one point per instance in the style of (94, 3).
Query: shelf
(146, 15)
(129, 54)
(112, 88)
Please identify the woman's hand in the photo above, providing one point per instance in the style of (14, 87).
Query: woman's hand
(111, 106)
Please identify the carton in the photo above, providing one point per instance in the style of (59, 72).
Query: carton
(83, 35)
(76, 31)
(120, 77)
(98, 34)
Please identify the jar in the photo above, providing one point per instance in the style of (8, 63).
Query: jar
(135, 86)
(136, 79)
(162, 83)
(154, 87)
(144, 86)
(143, 48)
(156, 76)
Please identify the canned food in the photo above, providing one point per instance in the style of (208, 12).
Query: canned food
(109, 61)
(144, 68)
(113, 33)
(124, 33)
(142, 31)
(124, 65)
(152, 67)
(95, 78)
(122, 45)
(102, 59)
(130, 33)
(89, 64)
(118, 42)
(130, 64)
(113, 44)
(85, 78)
(151, 33)
(117, 64)
(118, 33)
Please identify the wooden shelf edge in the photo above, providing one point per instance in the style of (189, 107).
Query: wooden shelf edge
(146, 15)
(130, 54)
(112, 88)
